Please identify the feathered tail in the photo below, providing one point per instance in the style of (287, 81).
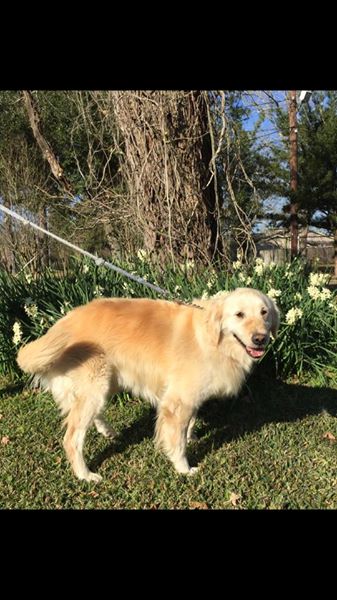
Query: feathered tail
(37, 357)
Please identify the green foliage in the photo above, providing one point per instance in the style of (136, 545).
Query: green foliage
(13, 120)
(317, 161)
(308, 332)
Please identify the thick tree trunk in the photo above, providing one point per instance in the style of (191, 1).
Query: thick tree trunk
(293, 173)
(167, 152)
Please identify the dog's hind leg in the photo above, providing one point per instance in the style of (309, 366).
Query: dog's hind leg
(100, 423)
(85, 409)
(171, 432)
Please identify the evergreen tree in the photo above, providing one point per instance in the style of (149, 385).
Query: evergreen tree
(317, 164)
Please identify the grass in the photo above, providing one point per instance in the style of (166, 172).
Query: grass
(265, 450)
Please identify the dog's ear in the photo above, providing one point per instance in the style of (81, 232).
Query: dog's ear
(214, 317)
(274, 316)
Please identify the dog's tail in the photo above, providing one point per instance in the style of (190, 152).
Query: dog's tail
(38, 357)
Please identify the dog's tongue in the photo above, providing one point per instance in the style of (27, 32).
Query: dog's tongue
(255, 352)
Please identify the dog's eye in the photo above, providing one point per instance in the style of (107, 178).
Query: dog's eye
(240, 315)
(264, 311)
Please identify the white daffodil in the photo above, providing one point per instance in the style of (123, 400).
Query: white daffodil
(236, 265)
(325, 293)
(259, 268)
(31, 310)
(313, 292)
(17, 337)
(274, 293)
(142, 255)
(318, 279)
(98, 290)
(65, 307)
(293, 315)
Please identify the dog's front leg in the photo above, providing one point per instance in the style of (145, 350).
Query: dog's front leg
(173, 421)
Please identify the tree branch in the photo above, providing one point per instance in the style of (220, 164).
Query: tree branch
(47, 151)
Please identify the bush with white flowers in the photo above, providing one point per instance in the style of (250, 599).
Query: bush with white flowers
(308, 306)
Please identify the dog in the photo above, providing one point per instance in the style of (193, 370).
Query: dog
(172, 354)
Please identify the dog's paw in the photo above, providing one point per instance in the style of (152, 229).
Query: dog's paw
(92, 477)
(192, 471)
(189, 471)
(105, 429)
(109, 433)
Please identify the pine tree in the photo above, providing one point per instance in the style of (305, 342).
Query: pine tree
(317, 164)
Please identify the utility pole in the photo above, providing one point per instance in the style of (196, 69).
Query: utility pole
(293, 173)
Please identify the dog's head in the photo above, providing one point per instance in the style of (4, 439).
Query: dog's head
(246, 316)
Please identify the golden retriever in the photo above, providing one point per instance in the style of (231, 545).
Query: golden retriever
(174, 355)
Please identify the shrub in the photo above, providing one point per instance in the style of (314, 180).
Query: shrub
(307, 336)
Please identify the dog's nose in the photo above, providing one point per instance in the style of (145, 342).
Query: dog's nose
(259, 339)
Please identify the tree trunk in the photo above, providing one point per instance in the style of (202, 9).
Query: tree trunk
(293, 173)
(167, 152)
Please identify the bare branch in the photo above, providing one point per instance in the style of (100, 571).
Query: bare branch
(47, 151)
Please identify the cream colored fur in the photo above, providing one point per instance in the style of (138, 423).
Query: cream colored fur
(173, 355)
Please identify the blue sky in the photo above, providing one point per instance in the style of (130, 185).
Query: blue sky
(259, 103)
(262, 102)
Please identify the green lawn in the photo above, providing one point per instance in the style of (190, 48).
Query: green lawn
(269, 449)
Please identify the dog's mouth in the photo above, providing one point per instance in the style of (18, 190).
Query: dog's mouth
(253, 352)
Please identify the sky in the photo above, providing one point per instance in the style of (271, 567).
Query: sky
(259, 101)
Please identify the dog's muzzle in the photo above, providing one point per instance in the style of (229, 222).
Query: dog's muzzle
(252, 352)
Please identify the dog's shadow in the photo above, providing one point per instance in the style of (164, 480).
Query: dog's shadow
(12, 388)
(265, 401)
(222, 421)
(133, 435)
